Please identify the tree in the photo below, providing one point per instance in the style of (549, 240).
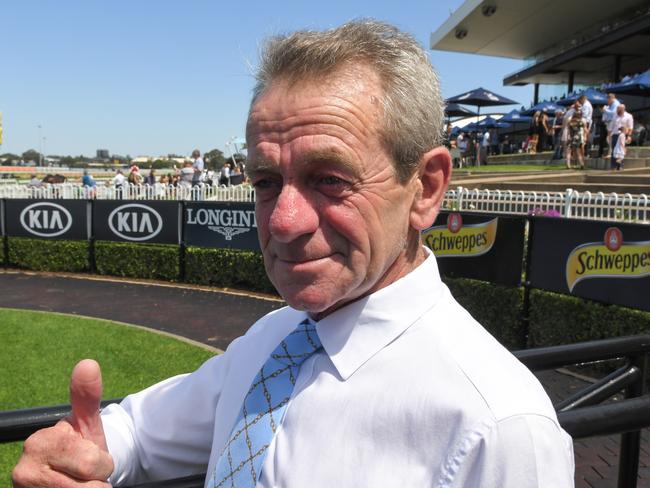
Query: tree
(32, 155)
(214, 159)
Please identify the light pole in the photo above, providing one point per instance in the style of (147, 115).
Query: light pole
(44, 150)
(40, 146)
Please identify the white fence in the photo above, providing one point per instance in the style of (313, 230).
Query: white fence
(238, 193)
(570, 203)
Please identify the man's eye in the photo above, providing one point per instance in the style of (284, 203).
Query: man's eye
(263, 183)
(330, 180)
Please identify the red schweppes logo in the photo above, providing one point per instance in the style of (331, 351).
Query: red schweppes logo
(612, 258)
(460, 240)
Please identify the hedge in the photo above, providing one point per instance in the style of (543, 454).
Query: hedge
(496, 307)
(150, 261)
(227, 268)
(562, 319)
(48, 255)
(553, 318)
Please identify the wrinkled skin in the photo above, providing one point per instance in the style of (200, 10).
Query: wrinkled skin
(334, 223)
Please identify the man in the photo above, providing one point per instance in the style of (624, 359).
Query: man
(374, 375)
(197, 165)
(587, 117)
(609, 114)
(622, 127)
(485, 145)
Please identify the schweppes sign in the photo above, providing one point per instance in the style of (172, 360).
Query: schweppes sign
(612, 258)
(458, 240)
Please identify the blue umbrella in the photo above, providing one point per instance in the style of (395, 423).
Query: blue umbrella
(515, 117)
(480, 97)
(471, 127)
(634, 85)
(490, 123)
(455, 110)
(594, 96)
(543, 107)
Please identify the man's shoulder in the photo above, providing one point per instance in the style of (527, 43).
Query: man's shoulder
(480, 371)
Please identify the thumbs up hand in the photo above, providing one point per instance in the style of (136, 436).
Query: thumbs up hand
(73, 453)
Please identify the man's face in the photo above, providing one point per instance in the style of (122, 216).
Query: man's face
(610, 98)
(332, 218)
(620, 110)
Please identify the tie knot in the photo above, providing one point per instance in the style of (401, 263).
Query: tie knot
(301, 343)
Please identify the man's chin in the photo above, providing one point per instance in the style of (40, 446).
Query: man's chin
(309, 299)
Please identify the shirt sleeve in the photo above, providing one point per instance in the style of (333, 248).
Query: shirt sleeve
(165, 431)
(523, 451)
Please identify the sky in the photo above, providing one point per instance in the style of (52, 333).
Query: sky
(145, 77)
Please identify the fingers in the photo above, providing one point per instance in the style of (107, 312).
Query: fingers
(85, 398)
(60, 457)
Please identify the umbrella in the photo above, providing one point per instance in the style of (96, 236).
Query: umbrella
(471, 127)
(634, 85)
(543, 107)
(515, 117)
(594, 96)
(480, 97)
(455, 110)
(491, 123)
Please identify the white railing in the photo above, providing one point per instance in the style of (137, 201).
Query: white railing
(570, 203)
(238, 193)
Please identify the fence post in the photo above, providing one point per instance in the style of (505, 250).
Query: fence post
(568, 197)
(459, 198)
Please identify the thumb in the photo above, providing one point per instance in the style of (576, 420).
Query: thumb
(85, 397)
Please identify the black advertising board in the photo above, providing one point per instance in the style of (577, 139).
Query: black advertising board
(479, 246)
(143, 221)
(46, 219)
(221, 225)
(604, 261)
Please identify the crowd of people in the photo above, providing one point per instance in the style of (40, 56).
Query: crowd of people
(191, 173)
(569, 133)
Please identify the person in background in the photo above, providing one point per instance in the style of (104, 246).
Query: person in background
(609, 114)
(461, 144)
(185, 174)
(485, 146)
(576, 139)
(622, 127)
(150, 179)
(556, 128)
(587, 117)
(565, 137)
(88, 180)
(118, 182)
(224, 175)
(197, 166)
(536, 127)
(134, 178)
(34, 182)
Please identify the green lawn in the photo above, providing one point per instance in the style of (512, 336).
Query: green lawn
(40, 349)
(512, 168)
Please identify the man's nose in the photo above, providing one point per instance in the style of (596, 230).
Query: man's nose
(293, 215)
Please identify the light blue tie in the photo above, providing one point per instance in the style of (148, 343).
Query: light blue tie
(241, 461)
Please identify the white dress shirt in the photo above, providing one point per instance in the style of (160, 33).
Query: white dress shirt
(587, 112)
(409, 391)
(609, 113)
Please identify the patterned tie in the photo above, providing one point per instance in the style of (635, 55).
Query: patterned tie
(241, 461)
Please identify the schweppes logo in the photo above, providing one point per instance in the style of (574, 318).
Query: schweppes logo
(612, 258)
(458, 240)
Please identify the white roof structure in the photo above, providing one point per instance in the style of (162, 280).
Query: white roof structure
(594, 39)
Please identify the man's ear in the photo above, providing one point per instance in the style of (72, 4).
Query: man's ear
(434, 173)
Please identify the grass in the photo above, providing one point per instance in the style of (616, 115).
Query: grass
(514, 168)
(39, 350)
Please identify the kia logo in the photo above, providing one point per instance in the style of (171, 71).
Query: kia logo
(135, 222)
(45, 219)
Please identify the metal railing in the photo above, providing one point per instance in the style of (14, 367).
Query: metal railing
(570, 203)
(581, 415)
(158, 191)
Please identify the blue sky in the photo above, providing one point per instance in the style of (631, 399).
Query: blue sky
(144, 77)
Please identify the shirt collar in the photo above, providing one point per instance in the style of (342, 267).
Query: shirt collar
(353, 334)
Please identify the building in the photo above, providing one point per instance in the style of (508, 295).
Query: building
(564, 44)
